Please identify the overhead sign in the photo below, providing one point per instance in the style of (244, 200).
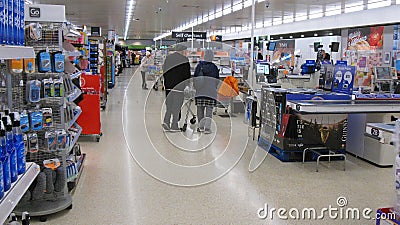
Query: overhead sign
(54, 13)
(187, 35)
(34, 12)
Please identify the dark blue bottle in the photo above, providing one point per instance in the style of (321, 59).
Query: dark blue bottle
(5, 25)
(1, 21)
(18, 143)
(10, 148)
(16, 22)
(10, 16)
(22, 21)
(5, 159)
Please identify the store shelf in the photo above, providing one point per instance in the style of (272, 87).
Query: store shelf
(18, 189)
(14, 52)
(324, 107)
(73, 96)
(75, 138)
(73, 182)
(76, 75)
(70, 123)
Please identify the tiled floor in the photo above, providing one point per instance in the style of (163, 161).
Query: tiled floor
(135, 174)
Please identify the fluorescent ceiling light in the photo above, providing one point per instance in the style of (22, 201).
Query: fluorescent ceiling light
(129, 13)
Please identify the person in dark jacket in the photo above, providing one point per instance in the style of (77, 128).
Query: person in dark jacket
(206, 83)
(176, 72)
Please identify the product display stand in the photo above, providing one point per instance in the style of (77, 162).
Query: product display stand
(54, 198)
(98, 61)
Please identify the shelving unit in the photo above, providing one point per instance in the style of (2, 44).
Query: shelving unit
(49, 202)
(100, 65)
(94, 56)
(14, 52)
(18, 189)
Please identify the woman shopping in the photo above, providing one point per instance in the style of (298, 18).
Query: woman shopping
(206, 84)
(146, 62)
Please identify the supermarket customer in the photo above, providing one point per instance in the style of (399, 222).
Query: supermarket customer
(146, 62)
(176, 70)
(206, 84)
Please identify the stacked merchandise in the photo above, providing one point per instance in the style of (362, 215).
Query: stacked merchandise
(99, 66)
(94, 56)
(12, 22)
(12, 150)
(83, 46)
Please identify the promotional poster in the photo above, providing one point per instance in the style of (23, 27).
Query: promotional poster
(284, 52)
(366, 38)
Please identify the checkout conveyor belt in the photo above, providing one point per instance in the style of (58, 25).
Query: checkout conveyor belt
(344, 107)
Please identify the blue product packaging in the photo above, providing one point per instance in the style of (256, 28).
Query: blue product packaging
(33, 90)
(44, 61)
(10, 148)
(5, 159)
(2, 150)
(19, 143)
(61, 139)
(5, 22)
(58, 62)
(22, 22)
(24, 122)
(10, 32)
(1, 21)
(36, 121)
(16, 22)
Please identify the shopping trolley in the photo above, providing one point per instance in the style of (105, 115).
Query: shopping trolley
(189, 94)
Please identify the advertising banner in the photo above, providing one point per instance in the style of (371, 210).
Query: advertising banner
(284, 52)
(365, 38)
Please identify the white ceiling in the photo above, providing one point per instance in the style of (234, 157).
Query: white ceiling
(110, 14)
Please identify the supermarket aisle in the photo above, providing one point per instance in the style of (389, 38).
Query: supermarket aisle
(114, 189)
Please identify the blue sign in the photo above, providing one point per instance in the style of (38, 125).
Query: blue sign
(343, 79)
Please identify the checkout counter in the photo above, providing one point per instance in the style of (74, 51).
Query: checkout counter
(306, 118)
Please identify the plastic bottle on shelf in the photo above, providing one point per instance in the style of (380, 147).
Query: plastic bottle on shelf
(2, 149)
(5, 158)
(22, 22)
(10, 16)
(1, 21)
(5, 22)
(19, 143)
(10, 147)
(16, 21)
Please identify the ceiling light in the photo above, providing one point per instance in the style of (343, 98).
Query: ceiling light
(302, 35)
(291, 36)
(330, 33)
(315, 35)
(129, 13)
